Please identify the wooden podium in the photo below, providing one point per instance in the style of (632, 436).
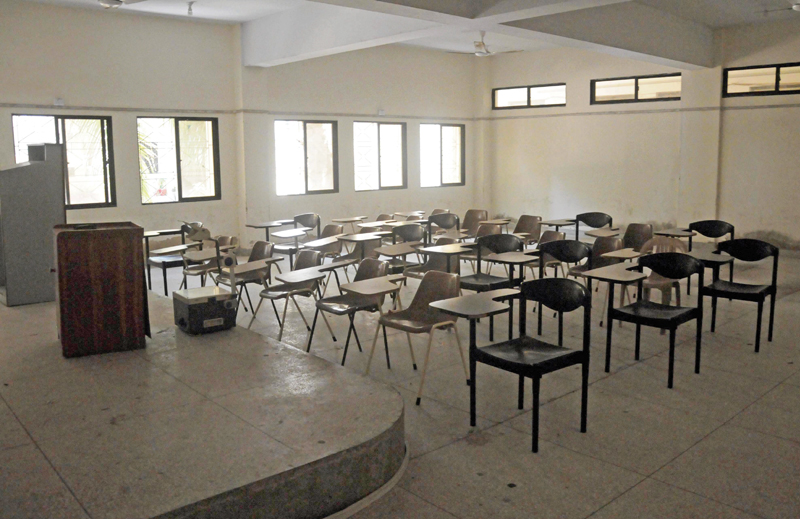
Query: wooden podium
(101, 292)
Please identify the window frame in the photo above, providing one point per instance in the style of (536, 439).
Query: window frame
(215, 145)
(593, 89)
(403, 126)
(775, 92)
(463, 157)
(335, 153)
(108, 155)
(528, 93)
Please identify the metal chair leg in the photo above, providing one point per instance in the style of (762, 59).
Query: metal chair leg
(425, 367)
(255, 312)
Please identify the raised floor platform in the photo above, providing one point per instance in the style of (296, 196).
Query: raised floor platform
(229, 424)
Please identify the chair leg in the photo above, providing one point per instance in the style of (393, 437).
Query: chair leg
(584, 392)
(638, 341)
(372, 351)
(164, 272)
(314, 327)
(274, 309)
(535, 426)
(713, 312)
(521, 392)
(303, 316)
(283, 320)
(347, 342)
(671, 357)
(255, 312)
(491, 328)
(425, 367)
(758, 325)
(411, 349)
(355, 334)
(771, 314)
(605, 305)
(386, 348)
(461, 353)
(328, 325)
(472, 383)
(247, 293)
(698, 344)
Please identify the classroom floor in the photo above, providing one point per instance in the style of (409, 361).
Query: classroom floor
(721, 444)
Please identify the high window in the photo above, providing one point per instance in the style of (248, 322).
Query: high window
(379, 151)
(529, 96)
(89, 150)
(441, 155)
(640, 89)
(306, 158)
(761, 80)
(178, 159)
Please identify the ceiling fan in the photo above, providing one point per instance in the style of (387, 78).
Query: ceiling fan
(794, 7)
(482, 50)
(113, 4)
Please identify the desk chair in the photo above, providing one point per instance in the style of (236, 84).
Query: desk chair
(419, 317)
(596, 260)
(711, 229)
(636, 235)
(655, 281)
(311, 220)
(350, 303)
(745, 249)
(593, 220)
(212, 265)
(545, 259)
(412, 232)
(261, 250)
(531, 225)
(561, 251)
(532, 358)
(673, 266)
(472, 220)
(435, 262)
(334, 250)
(443, 222)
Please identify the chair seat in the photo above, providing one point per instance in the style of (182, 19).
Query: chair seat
(578, 270)
(414, 322)
(285, 249)
(483, 282)
(418, 271)
(649, 313)
(527, 355)
(346, 304)
(199, 270)
(741, 291)
(281, 291)
(166, 261)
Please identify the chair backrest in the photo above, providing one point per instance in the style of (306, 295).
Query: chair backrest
(261, 250)
(559, 294)
(531, 225)
(434, 286)
(383, 217)
(439, 261)
(307, 258)
(413, 217)
(637, 235)
(486, 229)
(228, 240)
(747, 249)
(445, 220)
(712, 228)
(672, 265)
(332, 229)
(498, 243)
(409, 232)
(371, 268)
(663, 244)
(594, 220)
(440, 211)
(568, 251)
(471, 219)
(601, 246)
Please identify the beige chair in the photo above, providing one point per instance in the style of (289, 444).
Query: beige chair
(419, 317)
(261, 250)
(636, 234)
(472, 220)
(436, 262)
(532, 225)
(334, 250)
(655, 281)
(212, 265)
(439, 211)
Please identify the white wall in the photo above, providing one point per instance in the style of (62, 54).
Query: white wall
(123, 65)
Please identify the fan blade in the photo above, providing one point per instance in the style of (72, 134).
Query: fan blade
(129, 2)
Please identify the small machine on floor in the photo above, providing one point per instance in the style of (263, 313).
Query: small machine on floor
(206, 309)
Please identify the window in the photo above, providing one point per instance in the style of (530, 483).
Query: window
(306, 158)
(90, 156)
(379, 151)
(529, 96)
(441, 155)
(662, 87)
(178, 159)
(762, 80)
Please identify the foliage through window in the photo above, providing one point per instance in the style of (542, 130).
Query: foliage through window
(529, 96)
(761, 80)
(306, 157)
(379, 151)
(89, 153)
(178, 159)
(441, 151)
(640, 89)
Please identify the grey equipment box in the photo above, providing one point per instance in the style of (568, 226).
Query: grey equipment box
(204, 310)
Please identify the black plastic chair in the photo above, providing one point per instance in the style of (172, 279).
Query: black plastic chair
(594, 220)
(565, 251)
(670, 265)
(746, 249)
(531, 358)
(711, 229)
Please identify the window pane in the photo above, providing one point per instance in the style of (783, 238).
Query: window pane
(289, 158)
(32, 129)
(510, 97)
(430, 155)
(391, 155)
(320, 156)
(751, 80)
(660, 87)
(451, 154)
(197, 158)
(549, 95)
(365, 152)
(790, 78)
(615, 90)
(157, 160)
(85, 162)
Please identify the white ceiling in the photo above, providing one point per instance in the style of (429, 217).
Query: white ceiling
(281, 31)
